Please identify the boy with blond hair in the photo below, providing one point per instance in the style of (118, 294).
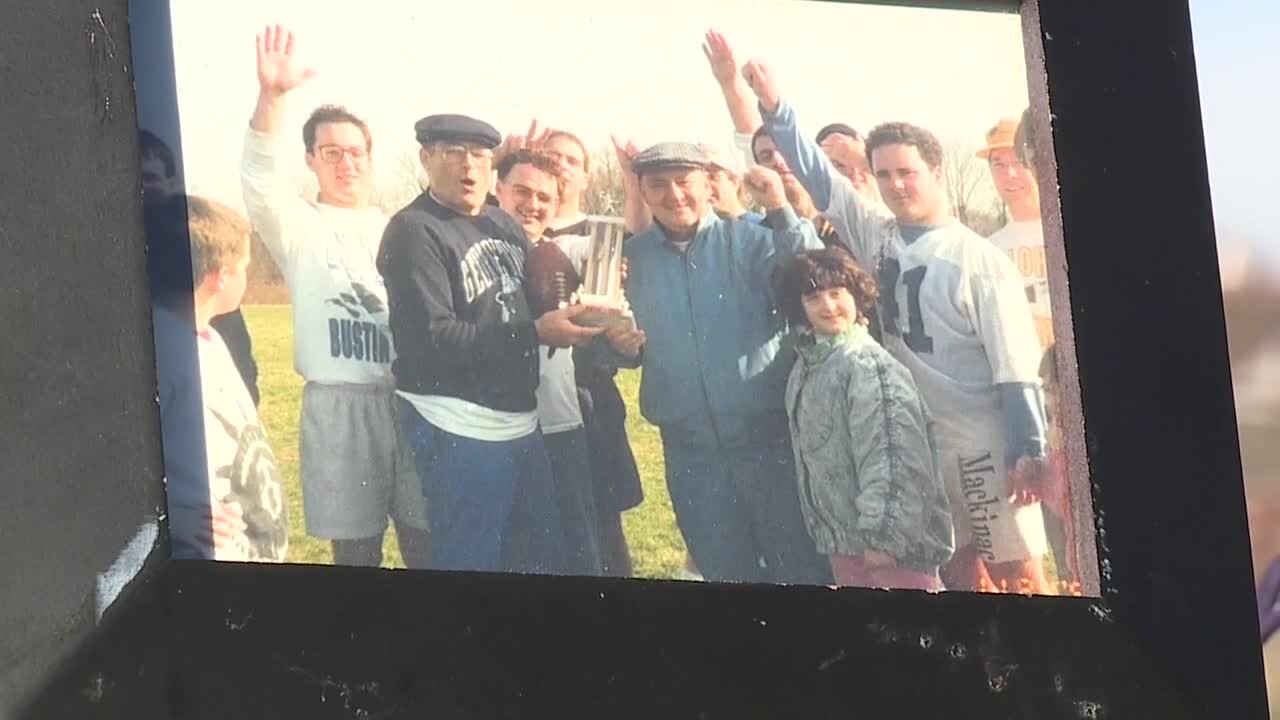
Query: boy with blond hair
(223, 486)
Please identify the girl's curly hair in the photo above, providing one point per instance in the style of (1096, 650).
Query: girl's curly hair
(822, 270)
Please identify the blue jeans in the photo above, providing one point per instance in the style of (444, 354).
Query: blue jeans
(575, 496)
(490, 505)
(733, 487)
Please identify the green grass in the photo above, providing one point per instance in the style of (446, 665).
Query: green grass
(657, 549)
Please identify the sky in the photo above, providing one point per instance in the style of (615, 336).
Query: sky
(1237, 61)
(632, 69)
(637, 70)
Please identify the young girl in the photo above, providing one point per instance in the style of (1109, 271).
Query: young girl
(866, 458)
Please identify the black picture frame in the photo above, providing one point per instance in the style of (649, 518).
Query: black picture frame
(1174, 635)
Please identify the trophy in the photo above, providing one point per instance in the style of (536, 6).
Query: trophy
(601, 288)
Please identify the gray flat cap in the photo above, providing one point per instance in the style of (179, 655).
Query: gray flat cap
(665, 156)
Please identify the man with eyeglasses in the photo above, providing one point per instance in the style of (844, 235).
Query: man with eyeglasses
(356, 468)
(1022, 238)
(468, 359)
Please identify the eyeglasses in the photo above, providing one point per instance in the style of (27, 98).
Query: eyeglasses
(458, 153)
(333, 154)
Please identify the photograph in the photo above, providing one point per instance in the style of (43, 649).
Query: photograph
(719, 291)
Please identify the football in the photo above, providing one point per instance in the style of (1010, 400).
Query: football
(550, 278)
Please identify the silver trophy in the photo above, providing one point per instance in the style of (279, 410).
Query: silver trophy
(601, 289)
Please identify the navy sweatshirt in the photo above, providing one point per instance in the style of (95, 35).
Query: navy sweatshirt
(460, 317)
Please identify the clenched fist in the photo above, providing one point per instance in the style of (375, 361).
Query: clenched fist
(765, 186)
(762, 83)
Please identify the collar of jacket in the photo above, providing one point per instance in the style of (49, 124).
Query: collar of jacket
(814, 350)
(709, 219)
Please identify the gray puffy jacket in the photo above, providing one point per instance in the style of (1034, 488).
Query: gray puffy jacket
(866, 458)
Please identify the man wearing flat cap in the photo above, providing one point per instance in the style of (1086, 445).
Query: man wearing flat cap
(700, 287)
(468, 359)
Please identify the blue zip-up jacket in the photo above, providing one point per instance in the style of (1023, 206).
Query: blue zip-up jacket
(713, 330)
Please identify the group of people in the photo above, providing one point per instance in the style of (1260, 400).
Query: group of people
(847, 381)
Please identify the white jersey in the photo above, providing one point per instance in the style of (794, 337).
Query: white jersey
(954, 311)
(327, 256)
(1023, 242)
(557, 393)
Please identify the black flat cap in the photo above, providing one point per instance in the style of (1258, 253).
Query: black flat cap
(665, 156)
(456, 128)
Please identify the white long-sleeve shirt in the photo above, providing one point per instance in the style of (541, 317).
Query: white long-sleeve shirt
(327, 256)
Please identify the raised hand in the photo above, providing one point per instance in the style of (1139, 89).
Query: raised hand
(279, 67)
(765, 185)
(532, 139)
(762, 83)
(624, 153)
(720, 57)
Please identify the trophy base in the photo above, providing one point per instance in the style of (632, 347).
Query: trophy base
(601, 312)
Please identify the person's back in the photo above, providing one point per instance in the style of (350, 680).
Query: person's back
(240, 469)
(225, 496)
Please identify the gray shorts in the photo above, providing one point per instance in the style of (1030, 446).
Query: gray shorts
(357, 469)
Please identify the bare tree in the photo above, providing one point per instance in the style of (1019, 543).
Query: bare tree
(969, 191)
(402, 183)
(605, 192)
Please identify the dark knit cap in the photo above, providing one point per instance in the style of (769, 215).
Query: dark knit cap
(456, 128)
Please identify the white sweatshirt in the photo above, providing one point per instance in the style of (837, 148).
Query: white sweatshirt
(327, 256)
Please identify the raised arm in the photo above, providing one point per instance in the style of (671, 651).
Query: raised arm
(280, 70)
(635, 213)
(864, 227)
(737, 95)
(791, 234)
(804, 157)
(268, 192)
